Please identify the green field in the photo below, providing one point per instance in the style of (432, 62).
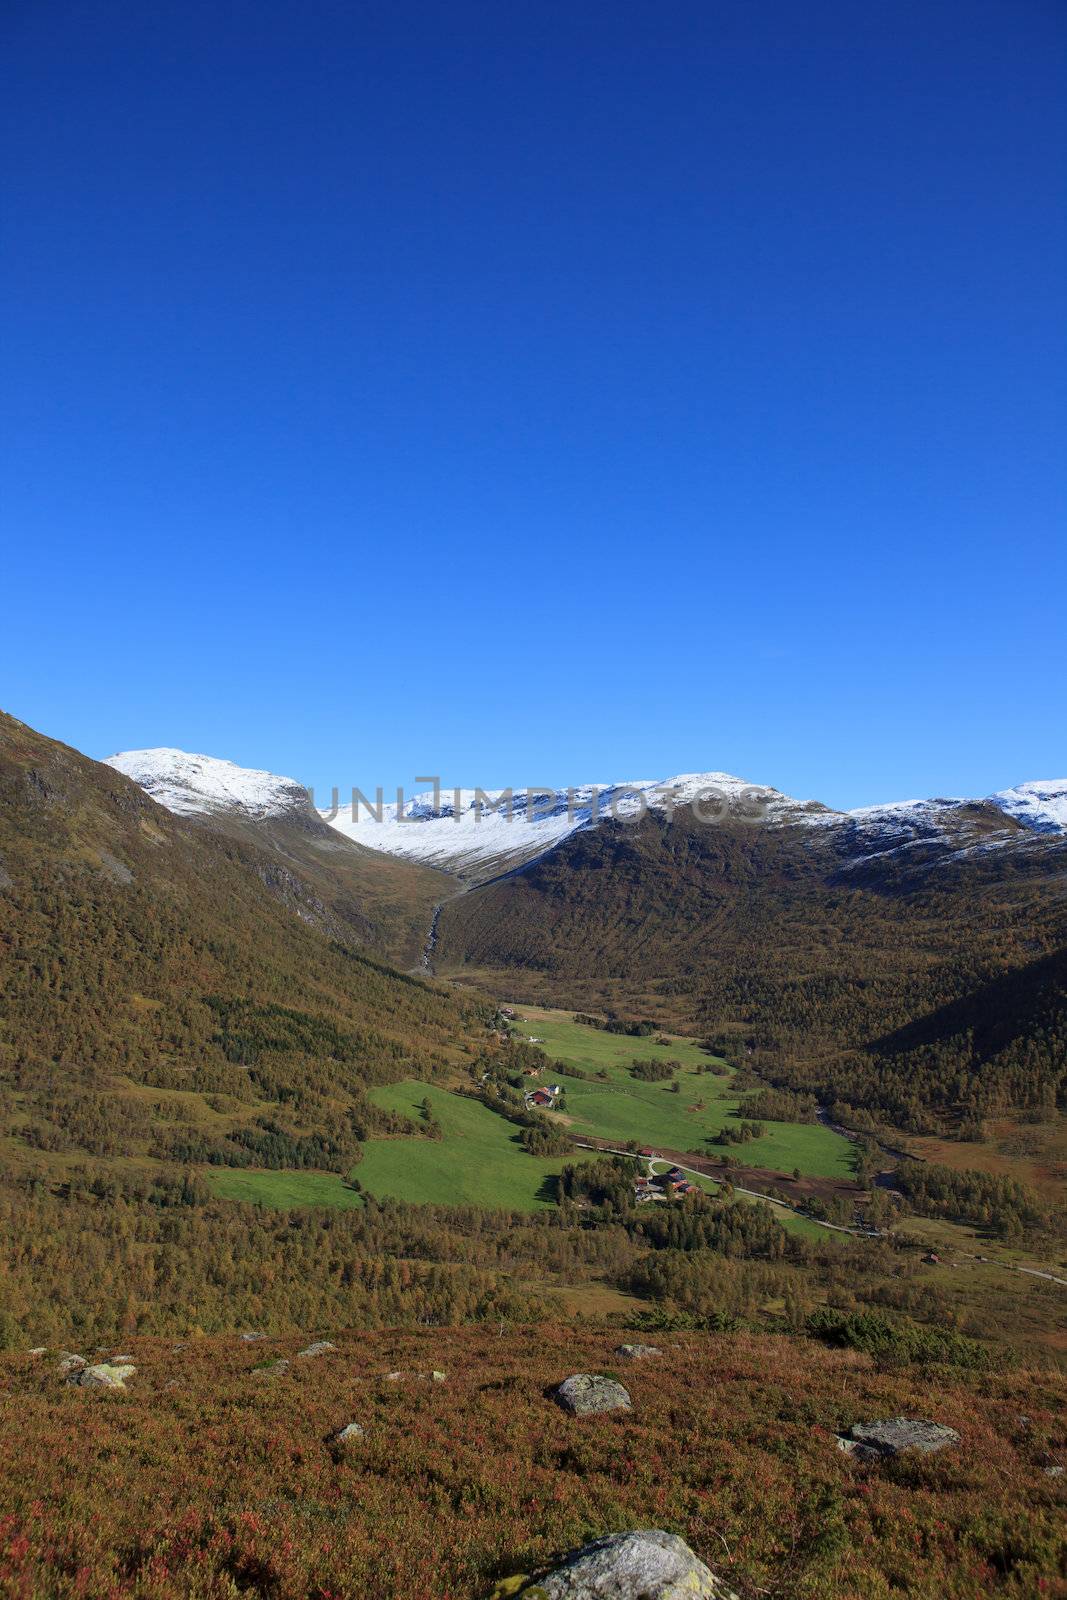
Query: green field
(287, 1190)
(560, 1037)
(478, 1162)
(621, 1107)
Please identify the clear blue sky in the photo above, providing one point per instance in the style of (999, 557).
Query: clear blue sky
(541, 391)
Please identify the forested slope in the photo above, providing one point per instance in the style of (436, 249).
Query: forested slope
(818, 946)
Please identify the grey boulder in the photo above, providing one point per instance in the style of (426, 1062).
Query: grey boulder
(645, 1564)
(637, 1352)
(352, 1433)
(104, 1375)
(319, 1348)
(71, 1363)
(872, 1441)
(586, 1393)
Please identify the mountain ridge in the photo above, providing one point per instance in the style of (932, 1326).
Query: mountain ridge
(476, 833)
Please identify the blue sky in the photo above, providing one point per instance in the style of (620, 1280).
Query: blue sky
(540, 392)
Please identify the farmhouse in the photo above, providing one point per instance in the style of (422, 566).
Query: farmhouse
(541, 1097)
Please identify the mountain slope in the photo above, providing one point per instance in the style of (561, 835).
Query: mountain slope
(815, 941)
(479, 834)
(172, 992)
(373, 901)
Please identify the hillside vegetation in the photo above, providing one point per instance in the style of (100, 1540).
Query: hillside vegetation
(924, 986)
(171, 995)
(216, 1474)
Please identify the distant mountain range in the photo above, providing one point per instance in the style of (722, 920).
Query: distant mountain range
(475, 834)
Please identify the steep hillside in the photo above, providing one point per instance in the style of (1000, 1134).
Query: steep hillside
(374, 901)
(813, 941)
(174, 993)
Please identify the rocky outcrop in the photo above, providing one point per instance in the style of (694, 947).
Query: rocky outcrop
(320, 1348)
(71, 1363)
(352, 1433)
(586, 1393)
(874, 1441)
(416, 1377)
(637, 1352)
(645, 1564)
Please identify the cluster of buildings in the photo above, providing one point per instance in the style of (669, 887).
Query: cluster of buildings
(666, 1186)
(545, 1098)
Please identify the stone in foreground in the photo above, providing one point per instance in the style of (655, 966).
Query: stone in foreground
(276, 1369)
(637, 1352)
(105, 1375)
(352, 1433)
(872, 1441)
(586, 1393)
(645, 1564)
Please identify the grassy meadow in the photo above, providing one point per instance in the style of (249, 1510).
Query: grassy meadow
(619, 1106)
(479, 1160)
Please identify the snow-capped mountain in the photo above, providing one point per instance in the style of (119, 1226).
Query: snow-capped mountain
(191, 784)
(1041, 806)
(477, 833)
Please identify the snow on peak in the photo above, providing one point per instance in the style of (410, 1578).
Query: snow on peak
(191, 784)
(1041, 806)
(904, 813)
(478, 830)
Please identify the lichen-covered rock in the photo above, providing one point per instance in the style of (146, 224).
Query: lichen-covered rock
(586, 1393)
(38, 1350)
(645, 1564)
(352, 1433)
(637, 1352)
(104, 1375)
(276, 1369)
(319, 1348)
(251, 1338)
(71, 1363)
(418, 1377)
(871, 1441)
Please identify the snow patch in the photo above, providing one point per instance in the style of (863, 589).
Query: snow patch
(195, 785)
(468, 830)
(1041, 806)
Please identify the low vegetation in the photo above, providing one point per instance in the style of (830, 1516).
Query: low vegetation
(455, 1485)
